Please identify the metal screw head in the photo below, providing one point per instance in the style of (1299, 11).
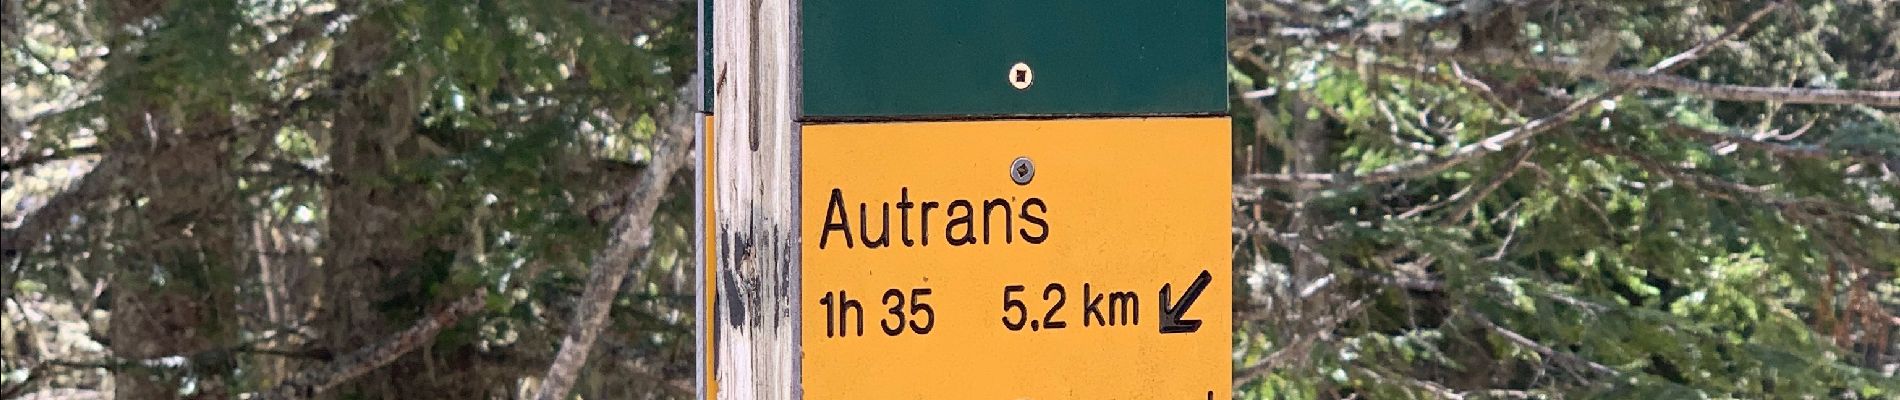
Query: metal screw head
(1020, 76)
(1022, 170)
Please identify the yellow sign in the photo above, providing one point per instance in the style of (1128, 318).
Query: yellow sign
(1050, 259)
(709, 333)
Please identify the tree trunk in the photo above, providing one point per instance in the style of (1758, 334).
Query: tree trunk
(378, 240)
(174, 285)
(1310, 300)
(175, 293)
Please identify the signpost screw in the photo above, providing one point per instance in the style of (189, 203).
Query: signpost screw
(1020, 76)
(1022, 170)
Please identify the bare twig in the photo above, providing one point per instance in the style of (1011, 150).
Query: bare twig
(1658, 76)
(1429, 166)
(1679, 60)
(1723, 189)
(1714, 91)
(1273, 362)
(29, 161)
(310, 382)
(633, 235)
(1262, 24)
(1540, 348)
(36, 226)
(1778, 149)
(1467, 204)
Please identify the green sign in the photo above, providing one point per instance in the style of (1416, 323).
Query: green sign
(885, 59)
(705, 56)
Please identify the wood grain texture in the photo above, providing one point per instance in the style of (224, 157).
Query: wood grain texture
(756, 198)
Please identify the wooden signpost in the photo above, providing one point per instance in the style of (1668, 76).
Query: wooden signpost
(705, 301)
(966, 200)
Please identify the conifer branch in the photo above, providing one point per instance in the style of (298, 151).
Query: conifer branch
(1673, 83)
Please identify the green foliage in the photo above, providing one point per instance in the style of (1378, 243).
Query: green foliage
(529, 120)
(1625, 258)
(1661, 244)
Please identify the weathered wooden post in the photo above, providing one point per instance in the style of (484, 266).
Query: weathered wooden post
(968, 200)
(705, 244)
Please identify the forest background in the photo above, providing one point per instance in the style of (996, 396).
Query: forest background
(492, 198)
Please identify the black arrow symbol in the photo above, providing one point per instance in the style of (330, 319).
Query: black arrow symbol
(1171, 321)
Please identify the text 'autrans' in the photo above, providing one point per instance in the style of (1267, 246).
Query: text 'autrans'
(957, 217)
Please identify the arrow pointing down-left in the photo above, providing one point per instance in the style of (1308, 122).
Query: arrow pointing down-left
(1171, 321)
